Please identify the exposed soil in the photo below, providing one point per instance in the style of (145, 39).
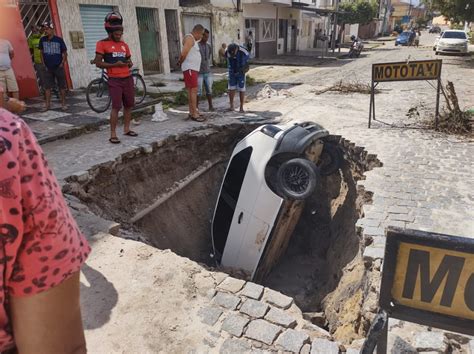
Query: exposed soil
(171, 206)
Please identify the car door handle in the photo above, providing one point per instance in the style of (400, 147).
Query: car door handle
(241, 215)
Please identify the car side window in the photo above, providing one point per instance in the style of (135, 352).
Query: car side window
(229, 196)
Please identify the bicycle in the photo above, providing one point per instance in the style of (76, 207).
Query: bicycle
(97, 92)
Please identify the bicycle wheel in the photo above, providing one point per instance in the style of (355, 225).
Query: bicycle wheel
(97, 95)
(140, 88)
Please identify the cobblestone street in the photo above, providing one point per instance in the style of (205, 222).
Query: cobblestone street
(424, 183)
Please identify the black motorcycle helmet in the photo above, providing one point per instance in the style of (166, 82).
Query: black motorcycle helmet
(113, 22)
(353, 38)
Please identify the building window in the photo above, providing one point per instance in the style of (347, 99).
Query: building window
(267, 30)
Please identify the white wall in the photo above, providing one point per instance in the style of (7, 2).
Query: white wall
(78, 60)
(259, 11)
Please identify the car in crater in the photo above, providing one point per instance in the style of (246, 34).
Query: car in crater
(267, 167)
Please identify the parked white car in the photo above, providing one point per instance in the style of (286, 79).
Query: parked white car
(265, 168)
(452, 41)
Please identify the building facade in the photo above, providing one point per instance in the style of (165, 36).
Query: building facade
(151, 29)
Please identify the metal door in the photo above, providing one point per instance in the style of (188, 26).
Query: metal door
(191, 20)
(294, 35)
(92, 17)
(172, 33)
(148, 32)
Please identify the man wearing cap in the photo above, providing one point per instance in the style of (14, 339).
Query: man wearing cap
(54, 55)
(237, 62)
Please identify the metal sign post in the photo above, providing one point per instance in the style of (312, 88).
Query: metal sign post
(428, 279)
(405, 71)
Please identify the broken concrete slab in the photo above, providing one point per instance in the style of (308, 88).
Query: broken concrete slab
(232, 346)
(292, 340)
(430, 341)
(262, 331)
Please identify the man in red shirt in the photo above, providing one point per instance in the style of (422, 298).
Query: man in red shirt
(114, 55)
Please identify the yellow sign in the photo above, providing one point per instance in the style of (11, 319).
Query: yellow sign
(434, 279)
(402, 71)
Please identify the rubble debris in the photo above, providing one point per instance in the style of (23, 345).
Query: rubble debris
(348, 87)
(268, 92)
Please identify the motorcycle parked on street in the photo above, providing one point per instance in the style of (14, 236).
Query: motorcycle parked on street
(356, 47)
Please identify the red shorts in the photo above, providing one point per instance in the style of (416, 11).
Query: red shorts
(190, 79)
(122, 90)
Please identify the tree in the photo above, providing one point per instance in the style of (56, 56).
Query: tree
(361, 11)
(454, 10)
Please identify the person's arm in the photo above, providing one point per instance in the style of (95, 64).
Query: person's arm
(10, 50)
(64, 53)
(49, 322)
(187, 45)
(46, 251)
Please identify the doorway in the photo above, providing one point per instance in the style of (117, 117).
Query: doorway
(283, 33)
(148, 32)
(294, 35)
(172, 32)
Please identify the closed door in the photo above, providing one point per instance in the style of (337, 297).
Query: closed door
(190, 21)
(148, 32)
(172, 33)
(92, 17)
(294, 35)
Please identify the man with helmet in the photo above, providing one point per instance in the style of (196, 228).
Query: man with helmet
(237, 62)
(113, 55)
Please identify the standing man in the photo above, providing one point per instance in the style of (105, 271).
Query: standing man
(7, 76)
(33, 44)
(54, 55)
(237, 59)
(190, 62)
(205, 74)
(114, 55)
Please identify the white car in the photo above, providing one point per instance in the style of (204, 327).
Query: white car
(265, 168)
(452, 41)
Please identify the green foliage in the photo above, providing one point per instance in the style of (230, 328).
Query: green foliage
(361, 11)
(455, 10)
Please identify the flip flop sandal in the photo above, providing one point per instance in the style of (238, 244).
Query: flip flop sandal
(114, 140)
(130, 133)
(198, 119)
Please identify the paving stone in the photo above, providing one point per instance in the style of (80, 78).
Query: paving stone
(402, 217)
(398, 209)
(400, 346)
(374, 231)
(292, 340)
(352, 351)
(254, 308)
(470, 347)
(373, 253)
(324, 346)
(430, 341)
(231, 285)
(232, 346)
(262, 331)
(306, 349)
(252, 290)
(228, 301)
(276, 298)
(280, 317)
(209, 315)
(234, 324)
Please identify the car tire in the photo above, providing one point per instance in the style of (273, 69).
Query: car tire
(297, 179)
(330, 160)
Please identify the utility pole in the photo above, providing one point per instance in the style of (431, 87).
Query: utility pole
(334, 34)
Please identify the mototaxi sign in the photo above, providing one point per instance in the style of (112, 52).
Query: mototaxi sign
(428, 279)
(408, 70)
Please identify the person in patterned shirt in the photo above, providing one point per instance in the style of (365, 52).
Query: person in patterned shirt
(41, 251)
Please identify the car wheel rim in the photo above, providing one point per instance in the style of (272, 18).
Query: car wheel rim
(296, 179)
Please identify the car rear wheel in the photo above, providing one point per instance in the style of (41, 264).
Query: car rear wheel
(297, 178)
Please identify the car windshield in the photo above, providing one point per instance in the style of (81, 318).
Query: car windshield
(457, 35)
(404, 34)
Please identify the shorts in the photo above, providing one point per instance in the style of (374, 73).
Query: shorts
(51, 76)
(236, 82)
(121, 90)
(207, 80)
(8, 81)
(39, 68)
(190, 79)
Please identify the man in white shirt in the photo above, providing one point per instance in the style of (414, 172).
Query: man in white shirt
(7, 76)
